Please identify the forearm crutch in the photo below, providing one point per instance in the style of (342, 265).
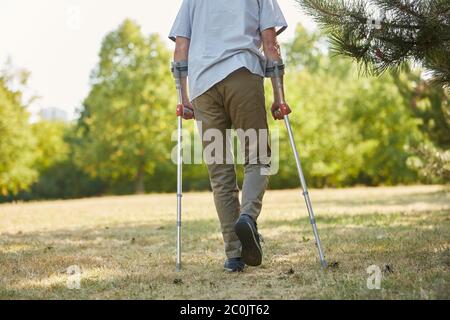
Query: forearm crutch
(179, 168)
(180, 71)
(285, 112)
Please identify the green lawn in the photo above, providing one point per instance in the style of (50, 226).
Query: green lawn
(125, 247)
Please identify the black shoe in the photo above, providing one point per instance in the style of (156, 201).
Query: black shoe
(247, 232)
(234, 265)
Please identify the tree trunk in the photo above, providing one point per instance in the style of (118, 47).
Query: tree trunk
(139, 187)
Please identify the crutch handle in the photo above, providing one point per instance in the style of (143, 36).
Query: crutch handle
(180, 110)
(280, 110)
(284, 109)
(185, 112)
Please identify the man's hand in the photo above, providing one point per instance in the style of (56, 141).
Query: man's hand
(188, 112)
(279, 110)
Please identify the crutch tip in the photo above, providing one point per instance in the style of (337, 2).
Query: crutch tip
(178, 267)
(324, 264)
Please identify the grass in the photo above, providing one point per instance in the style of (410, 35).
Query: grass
(125, 247)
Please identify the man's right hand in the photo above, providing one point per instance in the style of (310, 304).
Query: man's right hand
(186, 111)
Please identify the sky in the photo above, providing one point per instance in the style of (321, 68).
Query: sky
(58, 40)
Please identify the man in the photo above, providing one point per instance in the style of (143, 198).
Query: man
(219, 42)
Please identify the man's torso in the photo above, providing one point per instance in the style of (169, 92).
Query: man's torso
(225, 37)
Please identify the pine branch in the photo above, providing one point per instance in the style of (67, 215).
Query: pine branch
(411, 7)
(405, 31)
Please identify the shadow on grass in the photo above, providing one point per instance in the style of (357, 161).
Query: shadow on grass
(440, 197)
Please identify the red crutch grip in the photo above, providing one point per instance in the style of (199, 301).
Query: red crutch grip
(285, 110)
(180, 110)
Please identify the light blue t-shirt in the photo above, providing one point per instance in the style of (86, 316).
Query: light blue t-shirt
(225, 36)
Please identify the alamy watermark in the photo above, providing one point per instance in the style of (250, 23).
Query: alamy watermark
(73, 277)
(214, 146)
(374, 279)
(73, 17)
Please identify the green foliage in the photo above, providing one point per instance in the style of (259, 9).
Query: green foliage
(58, 177)
(64, 180)
(403, 31)
(16, 141)
(124, 125)
(431, 163)
(380, 116)
(431, 106)
(350, 129)
(51, 148)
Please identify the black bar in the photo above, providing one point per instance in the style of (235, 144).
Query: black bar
(212, 309)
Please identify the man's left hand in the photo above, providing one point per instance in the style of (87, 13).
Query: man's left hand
(280, 110)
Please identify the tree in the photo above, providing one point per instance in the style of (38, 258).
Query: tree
(50, 147)
(123, 126)
(59, 176)
(431, 106)
(382, 34)
(16, 139)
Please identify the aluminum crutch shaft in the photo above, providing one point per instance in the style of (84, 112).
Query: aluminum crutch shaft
(284, 111)
(305, 191)
(179, 171)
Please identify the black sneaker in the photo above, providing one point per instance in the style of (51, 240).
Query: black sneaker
(247, 232)
(234, 265)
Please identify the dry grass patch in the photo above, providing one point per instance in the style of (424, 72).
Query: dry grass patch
(125, 247)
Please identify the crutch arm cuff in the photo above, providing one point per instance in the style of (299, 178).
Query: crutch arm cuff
(179, 69)
(274, 68)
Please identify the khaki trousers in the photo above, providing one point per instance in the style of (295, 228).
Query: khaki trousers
(236, 102)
